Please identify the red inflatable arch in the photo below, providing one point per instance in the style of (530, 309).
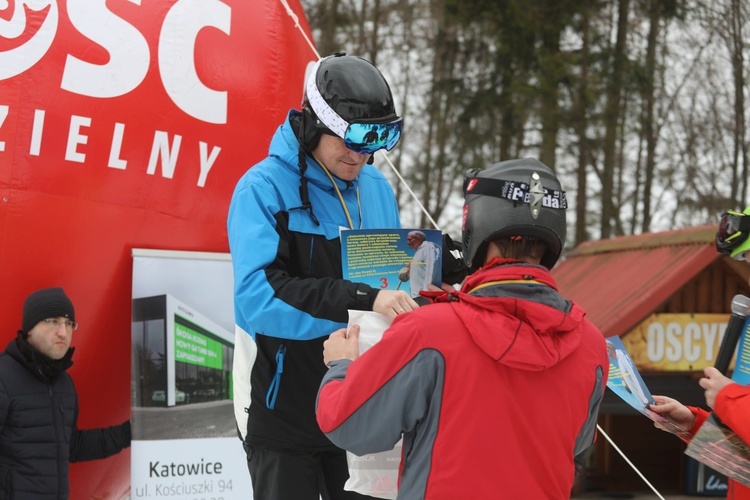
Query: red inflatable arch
(126, 125)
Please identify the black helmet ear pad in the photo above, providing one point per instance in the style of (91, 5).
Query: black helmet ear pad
(310, 129)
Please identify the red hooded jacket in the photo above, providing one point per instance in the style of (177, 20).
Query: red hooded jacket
(494, 391)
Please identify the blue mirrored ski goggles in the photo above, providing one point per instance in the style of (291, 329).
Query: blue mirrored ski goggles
(367, 138)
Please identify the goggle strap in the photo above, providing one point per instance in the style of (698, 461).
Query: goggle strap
(325, 113)
(515, 191)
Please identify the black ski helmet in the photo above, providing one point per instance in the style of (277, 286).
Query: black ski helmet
(513, 198)
(352, 88)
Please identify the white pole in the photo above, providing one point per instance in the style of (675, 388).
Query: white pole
(628, 461)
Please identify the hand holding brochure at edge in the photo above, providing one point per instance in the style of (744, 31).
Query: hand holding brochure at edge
(715, 444)
(625, 380)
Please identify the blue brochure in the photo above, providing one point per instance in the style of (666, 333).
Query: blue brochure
(392, 259)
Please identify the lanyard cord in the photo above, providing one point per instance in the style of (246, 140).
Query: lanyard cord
(341, 198)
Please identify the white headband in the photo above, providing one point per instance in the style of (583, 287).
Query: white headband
(325, 113)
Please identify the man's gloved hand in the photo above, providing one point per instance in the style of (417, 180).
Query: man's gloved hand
(454, 269)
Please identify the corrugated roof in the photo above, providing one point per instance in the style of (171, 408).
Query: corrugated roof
(620, 281)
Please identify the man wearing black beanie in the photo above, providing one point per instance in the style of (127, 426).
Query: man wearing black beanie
(39, 405)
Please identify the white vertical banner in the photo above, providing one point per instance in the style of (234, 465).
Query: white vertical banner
(185, 443)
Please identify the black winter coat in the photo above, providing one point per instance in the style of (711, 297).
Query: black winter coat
(38, 432)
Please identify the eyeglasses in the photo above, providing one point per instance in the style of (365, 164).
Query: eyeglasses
(734, 230)
(56, 323)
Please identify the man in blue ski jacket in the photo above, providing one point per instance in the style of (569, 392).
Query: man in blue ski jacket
(284, 222)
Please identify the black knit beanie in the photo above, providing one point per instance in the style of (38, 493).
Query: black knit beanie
(46, 303)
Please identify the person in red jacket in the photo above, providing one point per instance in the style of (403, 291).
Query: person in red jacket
(729, 400)
(495, 387)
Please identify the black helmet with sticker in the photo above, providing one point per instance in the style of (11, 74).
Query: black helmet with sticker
(342, 90)
(513, 198)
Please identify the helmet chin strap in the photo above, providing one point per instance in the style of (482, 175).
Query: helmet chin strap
(302, 164)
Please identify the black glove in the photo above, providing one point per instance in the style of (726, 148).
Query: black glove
(454, 269)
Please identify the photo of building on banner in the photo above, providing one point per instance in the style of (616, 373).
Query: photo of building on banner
(185, 441)
(625, 380)
(393, 259)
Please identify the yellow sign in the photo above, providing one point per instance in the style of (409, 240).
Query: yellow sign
(676, 342)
